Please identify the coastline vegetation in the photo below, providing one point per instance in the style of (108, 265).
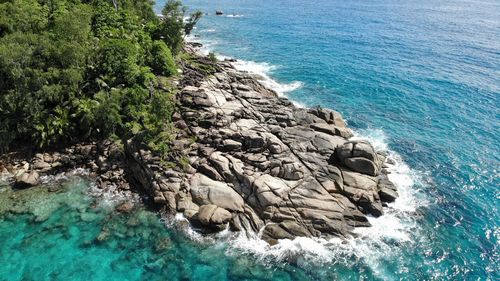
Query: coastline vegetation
(73, 70)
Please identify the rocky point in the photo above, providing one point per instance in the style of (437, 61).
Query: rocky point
(243, 157)
(256, 163)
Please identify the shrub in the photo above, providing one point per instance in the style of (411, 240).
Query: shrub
(212, 57)
(162, 61)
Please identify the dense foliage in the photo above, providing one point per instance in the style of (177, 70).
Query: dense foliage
(80, 69)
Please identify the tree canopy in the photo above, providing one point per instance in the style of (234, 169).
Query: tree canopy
(86, 69)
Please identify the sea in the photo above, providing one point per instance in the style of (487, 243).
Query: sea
(420, 79)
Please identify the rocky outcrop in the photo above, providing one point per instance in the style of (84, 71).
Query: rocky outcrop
(243, 158)
(104, 162)
(262, 165)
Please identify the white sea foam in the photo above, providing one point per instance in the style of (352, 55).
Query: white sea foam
(235, 16)
(264, 70)
(45, 179)
(111, 196)
(373, 244)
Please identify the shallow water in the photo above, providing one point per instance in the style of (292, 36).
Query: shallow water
(71, 235)
(419, 78)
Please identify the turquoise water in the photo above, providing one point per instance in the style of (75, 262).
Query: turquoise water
(421, 78)
(72, 235)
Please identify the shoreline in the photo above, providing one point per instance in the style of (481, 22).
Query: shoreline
(245, 171)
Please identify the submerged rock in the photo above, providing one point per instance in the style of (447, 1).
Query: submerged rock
(125, 207)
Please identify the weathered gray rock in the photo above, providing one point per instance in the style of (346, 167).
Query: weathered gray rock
(42, 165)
(213, 217)
(27, 179)
(387, 190)
(362, 165)
(207, 191)
(332, 130)
(231, 145)
(362, 190)
(330, 116)
(270, 190)
(359, 156)
(125, 207)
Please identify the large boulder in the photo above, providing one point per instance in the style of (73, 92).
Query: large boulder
(207, 191)
(387, 190)
(247, 221)
(332, 130)
(362, 190)
(213, 217)
(330, 116)
(360, 156)
(270, 190)
(27, 179)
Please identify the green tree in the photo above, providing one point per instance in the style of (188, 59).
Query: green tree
(192, 21)
(173, 28)
(172, 25)
(117, 62)
(162, 61)
(80, 69)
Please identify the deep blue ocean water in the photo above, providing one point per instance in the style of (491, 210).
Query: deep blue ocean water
(420, 78)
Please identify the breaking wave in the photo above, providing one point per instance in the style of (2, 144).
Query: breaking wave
(395, 230)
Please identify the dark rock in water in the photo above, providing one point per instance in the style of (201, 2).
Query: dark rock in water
(27, 179)
(284, 230)
(103, 236)
(163, 244)
(272, 232)
(56, 188)
(196, 45)
(125, 207)
(387, 190)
